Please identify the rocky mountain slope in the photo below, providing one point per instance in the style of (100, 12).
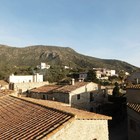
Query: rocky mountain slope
(53, 55)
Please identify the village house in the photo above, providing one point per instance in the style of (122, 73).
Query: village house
(82, 76)
(44, 66)
(134, 78)
(133, 111)
(22, 83)
(25, 78)
(80, 95)
(103, 73)
(28, 118)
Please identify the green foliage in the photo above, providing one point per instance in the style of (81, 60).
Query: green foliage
(113, 79)
(24, 60)
(116, 89)
(122, 75)
(55, 74)
(91, 76)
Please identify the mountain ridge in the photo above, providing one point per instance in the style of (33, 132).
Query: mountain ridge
(56, 55)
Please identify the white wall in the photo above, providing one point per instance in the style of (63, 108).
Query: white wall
(25, 78)
(84, 101)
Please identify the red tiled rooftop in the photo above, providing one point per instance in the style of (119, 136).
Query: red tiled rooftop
(44, 89)
(79, 114)
(134, 106)
(69, 88)
(5, 92)
(21, 119)
(2, 82)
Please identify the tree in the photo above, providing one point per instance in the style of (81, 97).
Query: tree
(91, 76)
(116, 90)
(122, 75)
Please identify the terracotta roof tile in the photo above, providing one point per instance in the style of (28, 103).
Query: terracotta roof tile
(69, 88)
(133, 86)
(45, 89)
(20, 119)
(79, 114)
(134, 106)
(5, 92)
(2, 82)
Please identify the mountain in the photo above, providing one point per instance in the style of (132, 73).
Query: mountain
(53, 55)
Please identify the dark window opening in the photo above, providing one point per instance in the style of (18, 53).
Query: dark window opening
(78, 97)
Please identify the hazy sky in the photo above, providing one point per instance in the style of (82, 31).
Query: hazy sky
(108, 29)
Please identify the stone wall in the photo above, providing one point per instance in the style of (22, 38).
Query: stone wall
(22, 87)
(84, 93)
(60, 97)
(82, 130)
(133, 125)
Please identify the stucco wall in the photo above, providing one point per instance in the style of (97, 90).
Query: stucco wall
(25, 78)
(133, 134)
(133, 95)
(27, 86)
(84, 101)
(60, 97)
(83, 130)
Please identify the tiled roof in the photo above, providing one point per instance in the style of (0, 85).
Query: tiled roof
(134, 106)
(79, 114)
(45, 89)
(2, 82)
(5, 92)
(69, 88)
(133, 86)
(20, 119)
(59, 88)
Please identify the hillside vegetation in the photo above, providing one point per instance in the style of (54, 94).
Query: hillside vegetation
(31, 56)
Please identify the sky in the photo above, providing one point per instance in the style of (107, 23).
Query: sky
(108, 29)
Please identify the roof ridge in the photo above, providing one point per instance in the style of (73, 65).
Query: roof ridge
(77, 113)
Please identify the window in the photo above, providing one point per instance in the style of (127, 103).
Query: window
(78, 97)
(133, 125)
(91, 97)
(45, 97)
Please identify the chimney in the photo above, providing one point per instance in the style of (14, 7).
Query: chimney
(73, 81)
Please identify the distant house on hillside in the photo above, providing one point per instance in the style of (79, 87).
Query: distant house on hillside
(103, 73)
(82, 76)
(44, 66)
(133, 111)
(37, 119)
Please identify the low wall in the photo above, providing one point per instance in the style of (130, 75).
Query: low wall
(23, 87)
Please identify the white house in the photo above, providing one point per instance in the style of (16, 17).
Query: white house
(103, 73)
(22, 83)
(44, 66)
(78, 94)
(25, 78)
